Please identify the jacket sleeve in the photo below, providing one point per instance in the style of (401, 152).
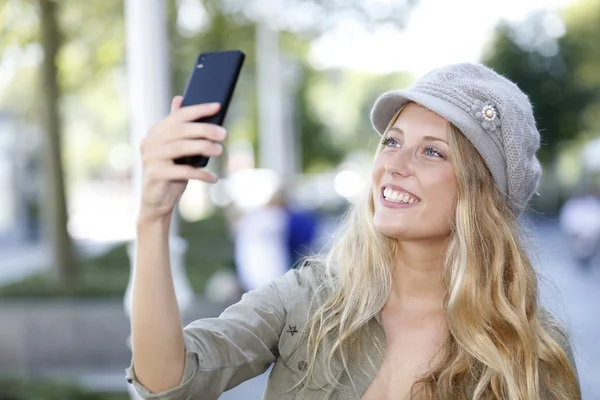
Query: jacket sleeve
(238, 345)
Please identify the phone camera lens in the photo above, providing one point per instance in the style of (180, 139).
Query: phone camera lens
(200, 62)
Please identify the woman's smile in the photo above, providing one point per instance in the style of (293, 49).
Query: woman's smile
(393, 196)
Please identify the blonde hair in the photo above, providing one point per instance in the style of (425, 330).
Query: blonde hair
(500, 343)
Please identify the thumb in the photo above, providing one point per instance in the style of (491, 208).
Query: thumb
(176, 103)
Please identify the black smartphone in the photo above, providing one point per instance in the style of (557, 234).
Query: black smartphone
(213, 79)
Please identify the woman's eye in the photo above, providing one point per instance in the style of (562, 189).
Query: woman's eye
(430, 151)
(391, 142)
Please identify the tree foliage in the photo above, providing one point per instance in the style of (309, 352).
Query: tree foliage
(82, 91)
(558, 71)
(231, 24)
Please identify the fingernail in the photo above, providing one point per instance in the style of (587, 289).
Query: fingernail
(213, 105)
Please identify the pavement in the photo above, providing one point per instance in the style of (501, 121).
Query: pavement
(573, 294)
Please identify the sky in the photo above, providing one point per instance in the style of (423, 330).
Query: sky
(439, 32)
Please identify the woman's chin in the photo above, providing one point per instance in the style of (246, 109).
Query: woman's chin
(401, 229)
(391, 230)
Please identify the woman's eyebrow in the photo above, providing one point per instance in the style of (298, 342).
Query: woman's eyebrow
(434, 139)
(395, 129)
(425, 138)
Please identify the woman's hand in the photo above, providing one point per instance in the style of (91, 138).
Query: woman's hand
(163, 181)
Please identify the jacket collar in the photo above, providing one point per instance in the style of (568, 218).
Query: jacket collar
(362, 375)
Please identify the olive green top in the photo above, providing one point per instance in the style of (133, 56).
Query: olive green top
(263, 328)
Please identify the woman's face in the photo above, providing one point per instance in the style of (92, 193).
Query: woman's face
(414, 185)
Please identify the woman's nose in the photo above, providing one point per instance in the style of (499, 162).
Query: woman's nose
(399, 163)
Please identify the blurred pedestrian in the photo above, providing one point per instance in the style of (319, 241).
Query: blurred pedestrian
(301, 229)
(261, 248)
(580, 221)
(427, 292)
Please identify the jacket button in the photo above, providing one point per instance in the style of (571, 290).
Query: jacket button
(302, 365)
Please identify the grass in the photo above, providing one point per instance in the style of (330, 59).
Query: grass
(209, 250)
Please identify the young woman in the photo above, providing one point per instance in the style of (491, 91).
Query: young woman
(427, 293)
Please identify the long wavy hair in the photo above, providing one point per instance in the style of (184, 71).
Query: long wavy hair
(500, 344)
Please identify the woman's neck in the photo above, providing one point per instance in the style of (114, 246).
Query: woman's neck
(417, 280)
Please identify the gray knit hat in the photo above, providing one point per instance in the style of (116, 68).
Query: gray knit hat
(490, 110)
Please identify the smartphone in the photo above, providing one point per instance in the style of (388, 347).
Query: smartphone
(213, 79)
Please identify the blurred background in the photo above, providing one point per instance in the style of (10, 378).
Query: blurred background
(82, 82)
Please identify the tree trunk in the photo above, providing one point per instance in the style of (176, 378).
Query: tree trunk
(64, 260)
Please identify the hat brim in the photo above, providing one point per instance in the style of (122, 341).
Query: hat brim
(390, 102)
(385, 108)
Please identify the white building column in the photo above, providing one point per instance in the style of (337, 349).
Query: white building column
(149, 79)
(276, 137)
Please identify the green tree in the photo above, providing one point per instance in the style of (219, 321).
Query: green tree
(557, 66)
(90, 64)
(560, 74)
(56, 210)
(318, 149)
(580, 44)
(83, 49)
(81, 90)
(548, 80)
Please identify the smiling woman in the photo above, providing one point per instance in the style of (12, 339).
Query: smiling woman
(437, 258)
(427, 292)
(413, 168)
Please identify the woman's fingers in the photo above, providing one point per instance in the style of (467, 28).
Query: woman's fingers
(174, 172)
(176, 136)
(183, 148)
(194, 113)
(176, 103)
(166, 131)
(200, 130)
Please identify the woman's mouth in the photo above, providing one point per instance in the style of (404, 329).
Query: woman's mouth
(398, 196)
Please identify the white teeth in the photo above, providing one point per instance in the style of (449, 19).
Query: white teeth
(398, 197)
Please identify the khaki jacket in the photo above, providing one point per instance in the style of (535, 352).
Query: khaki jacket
(265, 327)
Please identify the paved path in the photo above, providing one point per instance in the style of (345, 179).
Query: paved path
(574, 295)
